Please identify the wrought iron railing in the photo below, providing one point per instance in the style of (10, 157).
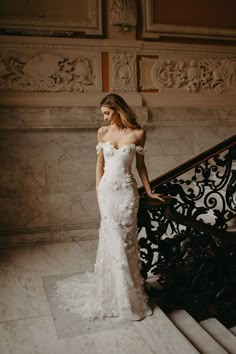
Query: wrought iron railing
(188, 242)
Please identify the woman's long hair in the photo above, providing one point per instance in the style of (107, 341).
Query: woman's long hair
(126, 115)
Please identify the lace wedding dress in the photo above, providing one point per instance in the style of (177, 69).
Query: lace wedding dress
(115, 288)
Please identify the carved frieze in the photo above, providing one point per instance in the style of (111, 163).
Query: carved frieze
(193, 75)
(48, 72)
(123, 72)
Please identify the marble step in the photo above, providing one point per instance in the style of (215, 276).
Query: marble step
(233, 330)
(195, 333)
(162, 335)
(221, 334)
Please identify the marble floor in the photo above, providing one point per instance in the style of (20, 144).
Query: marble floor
(26, 323)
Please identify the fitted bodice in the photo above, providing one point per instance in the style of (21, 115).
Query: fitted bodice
(118, 162)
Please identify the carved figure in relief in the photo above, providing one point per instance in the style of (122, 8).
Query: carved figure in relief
(123, 14)
(115, 288)
(39, 71)
(46, 72)
(197, 75)
(11, 71)
(231, 74)
(194, 71)
(76, 73)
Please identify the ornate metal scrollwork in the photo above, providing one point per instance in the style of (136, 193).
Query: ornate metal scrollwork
(193, 258)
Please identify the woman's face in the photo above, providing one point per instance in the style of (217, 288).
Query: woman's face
(109, 115)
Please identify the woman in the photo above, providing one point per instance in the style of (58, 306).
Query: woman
(115, 289)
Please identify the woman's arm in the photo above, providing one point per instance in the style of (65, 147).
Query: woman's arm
(142, 170)
(100, 159)
(99, 167)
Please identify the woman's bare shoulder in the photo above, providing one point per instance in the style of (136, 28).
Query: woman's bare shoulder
(140, 135)
(101, 133)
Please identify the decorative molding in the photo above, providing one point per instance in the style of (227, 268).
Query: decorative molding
(58, 117)
(181, 99)
(123, 72)
(47, 72)
(123, 15)
(196, 75)
(16, 52)
(156, 30)
(193, 75)
(145, 68)
(62, 99)
(49, 26)
(113, 45)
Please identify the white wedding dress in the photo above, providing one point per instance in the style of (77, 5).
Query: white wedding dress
(115, 288)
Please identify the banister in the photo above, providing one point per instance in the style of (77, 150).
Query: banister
(188, 165)
(185, 241)
(172, 214)
(199, 225)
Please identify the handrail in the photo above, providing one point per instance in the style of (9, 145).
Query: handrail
(188, 165)
(190, 221)
(194, 265)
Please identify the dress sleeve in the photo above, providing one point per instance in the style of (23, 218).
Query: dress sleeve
(98, 147)
(140, 150)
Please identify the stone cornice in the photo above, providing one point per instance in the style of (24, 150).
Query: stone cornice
(142, 47)
(57, 117)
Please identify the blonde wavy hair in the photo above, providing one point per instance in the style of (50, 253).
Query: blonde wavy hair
(126, 116)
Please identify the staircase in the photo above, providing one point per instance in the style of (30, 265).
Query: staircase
(188, 249)
(208, 336)
(177, 332)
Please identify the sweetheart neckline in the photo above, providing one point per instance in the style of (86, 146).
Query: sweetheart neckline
(110, 144)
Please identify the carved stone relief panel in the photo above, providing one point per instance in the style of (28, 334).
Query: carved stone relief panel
(50, 72)
(123, 72)
(191, 74)
(123, 15)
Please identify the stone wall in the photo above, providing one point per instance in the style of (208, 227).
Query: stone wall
(50, 89)
(48, 175)
(175, 135)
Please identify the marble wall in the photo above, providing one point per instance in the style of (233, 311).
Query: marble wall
(50, 89)
(48, 175)
(47, 178)
(177, 134)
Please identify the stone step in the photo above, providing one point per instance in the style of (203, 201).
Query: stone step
(195, 333)
(233, 330)
(221, 334)
(162, 335)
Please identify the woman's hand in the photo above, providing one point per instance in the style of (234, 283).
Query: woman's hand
(156, 196)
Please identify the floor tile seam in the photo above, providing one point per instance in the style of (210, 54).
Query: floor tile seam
(143, 336)
(26, 318)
